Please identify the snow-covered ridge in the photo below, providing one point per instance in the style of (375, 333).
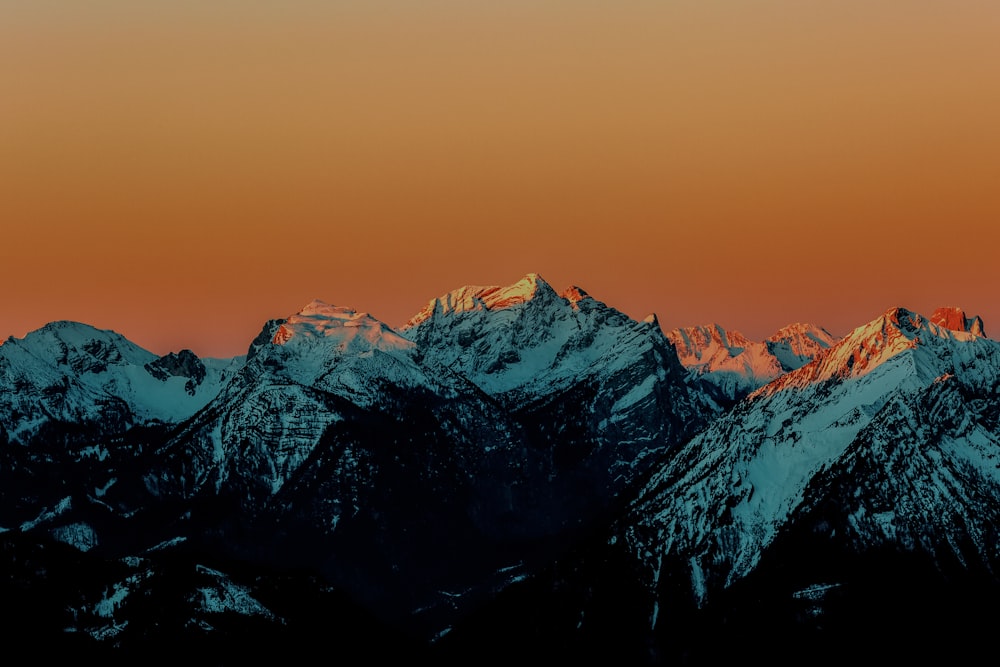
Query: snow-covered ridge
(344, 328)
(76, 373)
(492, 297)
(736, 365)
(796, 345)
(711, 348)
(954, 318)
(526, 339)
(871, 345)
(335, 349)
(722, 499)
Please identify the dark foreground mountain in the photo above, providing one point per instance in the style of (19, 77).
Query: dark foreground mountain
(516, 472)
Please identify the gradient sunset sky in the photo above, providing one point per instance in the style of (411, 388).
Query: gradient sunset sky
(181, 171)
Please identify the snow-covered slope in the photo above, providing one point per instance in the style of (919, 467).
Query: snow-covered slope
(520, 341)
(501, 416)
(614, 380)
(571, 376)
(67, 372)
(524, 341)
(923, 474)
(725, 359)
(301, 373)
(343, 352)
(796, 345)
(715, 507)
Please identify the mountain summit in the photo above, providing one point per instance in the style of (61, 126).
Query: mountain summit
(343, 328)
(728, 366)
(475, 297)
(881, 341)
(956, 320)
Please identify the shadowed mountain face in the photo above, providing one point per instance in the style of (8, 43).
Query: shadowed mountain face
(516, 468)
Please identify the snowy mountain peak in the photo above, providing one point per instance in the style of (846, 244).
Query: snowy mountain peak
(871, 345)
(947, 323)
(342, 326)
(703, 344)
(82, 347)
(902, 318)
(711, 347)
(524, 341)
(322, 308)
(75, 373)
(736, 366)
(954, 318)
(803, 330)
(900, 395)
(479, 297)
(525, 289)
(797, 344)
(728, 360)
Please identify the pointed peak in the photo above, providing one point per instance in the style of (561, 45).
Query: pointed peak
(950, 318)
(898, 330)
(653, 320)
(800, 329)
(955, 319)
(976, 326)
(693, 343)
(523, 290)
(943, 321)
(902, 318)
(797, 344)
(574, 295)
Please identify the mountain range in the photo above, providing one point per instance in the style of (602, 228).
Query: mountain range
(516, 469)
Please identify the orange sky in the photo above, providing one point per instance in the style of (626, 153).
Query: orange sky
(182, 171)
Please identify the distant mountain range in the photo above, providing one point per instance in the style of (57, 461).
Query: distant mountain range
(514, 469)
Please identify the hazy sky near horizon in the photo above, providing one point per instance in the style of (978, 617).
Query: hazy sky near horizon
(183, 171)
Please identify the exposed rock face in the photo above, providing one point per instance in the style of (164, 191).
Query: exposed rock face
(955, 319)
(182, 364)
